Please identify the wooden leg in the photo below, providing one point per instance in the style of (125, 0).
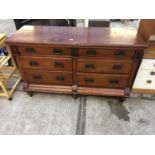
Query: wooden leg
(75, 96)
(30, 93)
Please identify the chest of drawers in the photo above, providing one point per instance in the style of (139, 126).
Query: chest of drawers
(95, 61)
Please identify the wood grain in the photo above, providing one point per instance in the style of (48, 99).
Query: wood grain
(81, 36)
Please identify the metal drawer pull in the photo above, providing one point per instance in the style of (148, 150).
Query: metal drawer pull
(91, 52)
(37, 77)
(33, 63)
(60, 78)
(89, 80)
(117, 66)
(59, 64)
(113, 81)
(58, 51)
(30, 50)
(152, 73)
(90, 66)
(120, 54)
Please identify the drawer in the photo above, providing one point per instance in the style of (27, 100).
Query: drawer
(145, 79)
(44, 50)
(148, 64)
(48, 77)
(102, 80)
(107, 53)
(55, 64)
(104, 66)
(146, 73)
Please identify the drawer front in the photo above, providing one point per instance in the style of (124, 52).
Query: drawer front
(47, 77)
(107, 53)
(148, 64)
(145, 79)
(44, 50)
(104, 66)
(104, 81)
(55, 64)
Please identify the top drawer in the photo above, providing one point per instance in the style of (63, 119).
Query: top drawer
(107, 53)
(44, 50)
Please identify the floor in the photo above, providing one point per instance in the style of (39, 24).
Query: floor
(62, 115)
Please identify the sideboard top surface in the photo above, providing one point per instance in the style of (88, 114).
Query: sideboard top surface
(78, 36)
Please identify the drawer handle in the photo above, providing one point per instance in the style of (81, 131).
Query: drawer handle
(113, 81)
(37, 77)
(152, 73)
(149, 81)
(117, 66)
(120, 54)
(60, 78)
(59, 64)
(57, 51)
(30, 50)
(89, 80)
(91, 52)
(90, 66)
(33, 63)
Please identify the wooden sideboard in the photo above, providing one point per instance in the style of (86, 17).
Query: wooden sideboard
(71, 60)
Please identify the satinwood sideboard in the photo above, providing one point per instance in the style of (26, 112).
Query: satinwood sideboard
(72, 60)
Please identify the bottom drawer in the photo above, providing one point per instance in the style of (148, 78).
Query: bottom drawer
(47, 77)
(102, 80)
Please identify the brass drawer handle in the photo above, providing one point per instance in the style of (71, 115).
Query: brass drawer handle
(60, 78)
(117, 66)
(120, 54)
(33, 63)
(113, 81)
(37, 77)
(59, 64)
(58, 51)
(91, 52)
(89, 80)
(30, 50)
(152, 73)
(90, 66)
